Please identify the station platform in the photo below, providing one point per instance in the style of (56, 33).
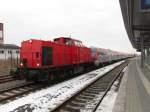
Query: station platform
(134, 91)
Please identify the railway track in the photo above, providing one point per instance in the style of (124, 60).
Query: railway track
(5, 75)
(4, 71)
(18, 91)
(95, 90)
(6, 78)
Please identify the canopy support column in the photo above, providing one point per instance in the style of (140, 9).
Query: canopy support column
(142, 52)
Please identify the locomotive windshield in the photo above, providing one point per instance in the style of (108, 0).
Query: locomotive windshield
(68, 42)
(46, 55)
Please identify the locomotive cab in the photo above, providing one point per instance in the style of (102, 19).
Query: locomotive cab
(36, 54)
(64, 41)
(68, 41)
(30, 56)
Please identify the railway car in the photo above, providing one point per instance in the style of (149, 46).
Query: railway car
(46, 60)
(107, 56)
(104, 56)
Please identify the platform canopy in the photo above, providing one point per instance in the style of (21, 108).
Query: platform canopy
(136, 16)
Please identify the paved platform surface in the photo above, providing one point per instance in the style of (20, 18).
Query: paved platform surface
(134, 91)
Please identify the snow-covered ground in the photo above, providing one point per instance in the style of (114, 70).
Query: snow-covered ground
(47, 99)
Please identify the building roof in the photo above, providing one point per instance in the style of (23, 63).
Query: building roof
(9, 46)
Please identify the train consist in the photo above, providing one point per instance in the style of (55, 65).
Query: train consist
(48, 60)
(106, 56)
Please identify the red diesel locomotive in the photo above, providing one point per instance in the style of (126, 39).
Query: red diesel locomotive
(47, 60)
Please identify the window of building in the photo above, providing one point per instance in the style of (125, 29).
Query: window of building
(17, 52)
(1, 51)
(9, 52)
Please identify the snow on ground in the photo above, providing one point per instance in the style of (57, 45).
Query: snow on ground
(47, 99)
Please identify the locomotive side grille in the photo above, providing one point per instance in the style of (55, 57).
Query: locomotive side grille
(47, 56)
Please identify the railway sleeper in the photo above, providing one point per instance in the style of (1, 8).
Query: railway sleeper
(105, 81)
(82, 99)
(69, 109)
(96, 87)
(28, 88)
(8, 94)
(86, 97)
(104, 84)
(92, 92)
(99, 90)
(3, 96)
(76, 103)
(74, 108)
(78, 100)
(100, 84)
(64, 111)
(88, 94)
(21, 89)
(16, 91)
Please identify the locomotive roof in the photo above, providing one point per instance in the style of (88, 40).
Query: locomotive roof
(69, 38)
(106, 51)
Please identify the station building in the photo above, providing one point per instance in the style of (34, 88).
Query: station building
(9, 51)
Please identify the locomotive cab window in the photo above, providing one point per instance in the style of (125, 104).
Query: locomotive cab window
(77, 43)
(68, 42)
(46, 55)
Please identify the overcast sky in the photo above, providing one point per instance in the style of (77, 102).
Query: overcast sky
(96, 22)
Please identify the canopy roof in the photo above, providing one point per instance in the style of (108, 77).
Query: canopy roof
(136, 16)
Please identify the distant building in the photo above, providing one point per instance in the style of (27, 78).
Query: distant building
(9, 51)
(1, 33)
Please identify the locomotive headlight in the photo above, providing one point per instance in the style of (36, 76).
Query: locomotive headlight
(38, 64)
(21, 64)
(30, 41)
